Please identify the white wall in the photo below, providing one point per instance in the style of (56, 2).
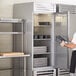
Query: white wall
(6, 8)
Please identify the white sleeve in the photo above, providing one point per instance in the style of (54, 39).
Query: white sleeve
(74, 38)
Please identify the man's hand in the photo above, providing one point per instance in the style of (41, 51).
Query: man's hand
(68, 45)
(62, 43)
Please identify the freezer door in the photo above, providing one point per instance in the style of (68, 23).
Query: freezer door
(60, 32)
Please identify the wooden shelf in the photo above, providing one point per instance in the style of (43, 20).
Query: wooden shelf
(25, 55)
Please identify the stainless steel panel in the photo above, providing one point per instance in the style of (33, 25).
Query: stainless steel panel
(25, 11)
(61, 28)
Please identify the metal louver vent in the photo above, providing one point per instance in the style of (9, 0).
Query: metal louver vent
(62, 72)
(44, 71)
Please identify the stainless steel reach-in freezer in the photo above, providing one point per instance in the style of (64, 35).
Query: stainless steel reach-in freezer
(44, 22)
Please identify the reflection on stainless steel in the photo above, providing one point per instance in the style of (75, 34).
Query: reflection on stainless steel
(60, 38)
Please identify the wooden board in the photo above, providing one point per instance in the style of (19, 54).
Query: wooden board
(11, 53)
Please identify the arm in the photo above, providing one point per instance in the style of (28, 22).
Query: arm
(70, 45)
